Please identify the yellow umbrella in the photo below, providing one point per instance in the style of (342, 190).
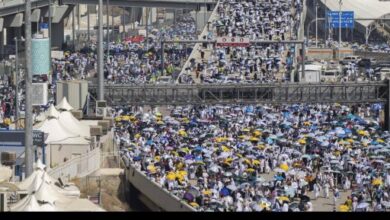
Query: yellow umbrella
(246, 130)
(157, 158)
(137, 136)
(343, 208)
(261, 146)
(284, 167)
(380, 140)
(377, 182)
(118, 119)
(256, 162)
(160, 122)
(207, 192)
(350, 140)
(225, 149)
(158, 114)
(182, 133)
(253, 139)
(194, 204)
(171, 176)
(151, 168)
(239, 155)
(250, 170)
(257, 133)
(302, 141)
(264, 205)
(242, 136)
(306, 123)
(126, 118)
(284, 198)
(247, 161)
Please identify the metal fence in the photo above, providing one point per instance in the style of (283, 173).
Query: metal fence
(78, 167)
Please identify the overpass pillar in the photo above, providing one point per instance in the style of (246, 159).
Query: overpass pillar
(2, 44)
(387, 108)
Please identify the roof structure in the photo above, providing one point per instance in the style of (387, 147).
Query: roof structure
(362, 8)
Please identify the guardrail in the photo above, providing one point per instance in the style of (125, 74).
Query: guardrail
(160, 197)
(77, 167)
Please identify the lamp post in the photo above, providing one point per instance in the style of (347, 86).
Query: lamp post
(100, 52)
(340, 4)
(17, 80)
(28, 127)
(316, 24)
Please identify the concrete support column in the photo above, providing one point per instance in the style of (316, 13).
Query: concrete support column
(387, 108)
(2, 33)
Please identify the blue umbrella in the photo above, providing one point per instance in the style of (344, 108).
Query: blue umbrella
(224, 191)
(138, 158)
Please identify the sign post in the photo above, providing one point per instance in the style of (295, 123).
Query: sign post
(233, 42)
(347, 19)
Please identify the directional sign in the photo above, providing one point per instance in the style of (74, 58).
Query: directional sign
(16, 138)
(347, 19)
(233, 42)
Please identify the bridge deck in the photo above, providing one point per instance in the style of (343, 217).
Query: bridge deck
(373, 92)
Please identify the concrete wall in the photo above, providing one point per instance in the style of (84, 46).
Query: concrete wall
(56, 153)
(161, 197)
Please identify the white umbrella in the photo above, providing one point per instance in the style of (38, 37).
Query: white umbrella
(362, 205)
(232, 187)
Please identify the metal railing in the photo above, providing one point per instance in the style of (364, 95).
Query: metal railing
(78, 167)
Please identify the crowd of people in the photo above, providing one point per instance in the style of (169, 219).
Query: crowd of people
(133, 62)
(261, 158)
(255, 20)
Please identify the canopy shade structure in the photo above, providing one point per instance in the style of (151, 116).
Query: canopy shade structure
(52, 112)
(64, 105)
(67, 119)
(57, 132)
(362, 9)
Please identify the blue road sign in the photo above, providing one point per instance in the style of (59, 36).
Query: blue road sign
(347, 19)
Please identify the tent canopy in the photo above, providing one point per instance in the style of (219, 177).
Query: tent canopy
(64, 105)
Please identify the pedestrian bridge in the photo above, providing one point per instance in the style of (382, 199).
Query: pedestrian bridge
(274, 93)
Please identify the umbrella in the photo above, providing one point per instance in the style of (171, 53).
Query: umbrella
(362, 205)
(284, 198)
(188, 196)
(377, 182)
(284, 167)
(232, 187)
(224, 191)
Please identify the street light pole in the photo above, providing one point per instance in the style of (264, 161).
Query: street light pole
(316, 24)
(100, 53)
(108, 30)
(340, 4)
(16, 83)
(28, 127)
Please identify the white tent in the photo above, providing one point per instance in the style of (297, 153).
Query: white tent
(27, 204)
(5, 173)
(33, 182)
(68, 120)
(52, 112)
(64, 105)
(55, 131)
